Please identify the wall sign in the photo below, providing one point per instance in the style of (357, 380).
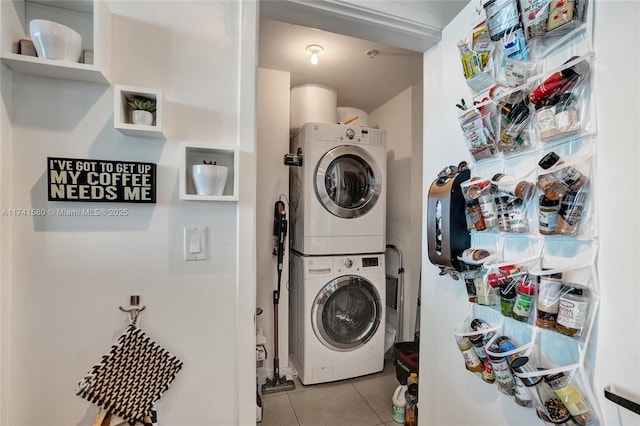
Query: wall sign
(73, 179)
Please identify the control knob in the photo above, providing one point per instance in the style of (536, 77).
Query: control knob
(350, 133)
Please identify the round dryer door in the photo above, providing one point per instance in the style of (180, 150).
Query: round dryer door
(348, 181)
(346, 313)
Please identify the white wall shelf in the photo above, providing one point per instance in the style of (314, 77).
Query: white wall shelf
(91, 19)
(122, 111)
(195, 153)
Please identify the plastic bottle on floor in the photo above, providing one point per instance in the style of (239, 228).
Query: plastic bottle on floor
(411, 396)
(399, 402)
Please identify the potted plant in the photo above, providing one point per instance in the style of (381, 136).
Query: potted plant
(142, 110)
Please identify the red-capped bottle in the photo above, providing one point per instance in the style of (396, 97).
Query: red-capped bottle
(559, 82)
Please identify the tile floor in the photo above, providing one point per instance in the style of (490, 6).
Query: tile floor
(362, 401)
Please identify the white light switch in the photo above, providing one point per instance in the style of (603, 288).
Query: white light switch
(195, 243)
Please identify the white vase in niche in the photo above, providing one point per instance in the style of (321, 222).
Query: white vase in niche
(209, 179)
(139, 116)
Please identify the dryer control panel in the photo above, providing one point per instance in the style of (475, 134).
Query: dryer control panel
(348, 263)
(343, 133)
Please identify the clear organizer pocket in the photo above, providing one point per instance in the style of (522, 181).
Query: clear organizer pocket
(507, 344)
(513, 197)
(510, 288)
(516, 64)
(471, 337)
(567, 300)
(562, 101)
(565, 15)
(479, 130)
(551, 18)
(514, 122)
(480, 203)
(560, 395)
(476, 55)
(517, 72)
(564, 195)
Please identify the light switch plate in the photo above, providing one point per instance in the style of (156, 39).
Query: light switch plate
(195, 243)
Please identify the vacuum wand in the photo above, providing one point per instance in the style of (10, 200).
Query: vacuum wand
(278, 384)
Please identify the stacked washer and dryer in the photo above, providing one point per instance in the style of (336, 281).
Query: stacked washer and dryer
(337, 241)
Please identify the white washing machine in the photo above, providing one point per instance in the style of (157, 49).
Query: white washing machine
(338, 195)
(336, 323)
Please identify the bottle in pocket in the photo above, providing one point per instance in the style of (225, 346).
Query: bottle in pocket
(525, 300)
(567, 113)
(548, 215)
(548, 406)
(470, 278)
(521, 189)
(548, 300)
(502, 204)
(475, 214)
(572, 311)
(489, 210)
(569, 176)
(517, 216)
(508, 293)
(552, 187)
(502, 372)
(572, 399)
(471, 360)
(570, 213)
(546, 121)
(474, 254)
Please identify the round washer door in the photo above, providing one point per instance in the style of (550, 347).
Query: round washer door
(348, 181)
(346, 313)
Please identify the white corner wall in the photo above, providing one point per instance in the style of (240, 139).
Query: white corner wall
(401, 118)
(273, 184)
(67, 275)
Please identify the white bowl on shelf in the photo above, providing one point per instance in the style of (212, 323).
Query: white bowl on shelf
(209, 179)
(55, 41)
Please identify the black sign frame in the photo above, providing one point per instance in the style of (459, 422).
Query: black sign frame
(76, 179)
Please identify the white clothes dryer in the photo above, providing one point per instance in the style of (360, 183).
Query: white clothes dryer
(336, 324)
(338, 196)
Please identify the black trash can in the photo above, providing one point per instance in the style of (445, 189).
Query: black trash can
(406, 359)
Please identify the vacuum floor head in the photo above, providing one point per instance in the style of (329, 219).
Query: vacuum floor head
(278, 384)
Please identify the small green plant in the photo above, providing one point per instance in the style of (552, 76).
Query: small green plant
(143, 104)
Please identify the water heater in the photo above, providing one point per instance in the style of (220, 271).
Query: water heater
(447, 232)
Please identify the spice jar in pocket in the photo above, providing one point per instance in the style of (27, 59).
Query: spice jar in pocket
(570, 213)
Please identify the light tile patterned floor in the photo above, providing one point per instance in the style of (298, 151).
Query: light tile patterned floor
(362, 401)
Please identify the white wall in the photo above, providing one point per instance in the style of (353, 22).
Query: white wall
(6, 93)
(448, 385)
(401, 118)
(273, 184)
(68, 275)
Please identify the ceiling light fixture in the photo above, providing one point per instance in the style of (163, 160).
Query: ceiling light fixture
(314, 50)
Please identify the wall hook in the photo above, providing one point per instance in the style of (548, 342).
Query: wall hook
(134, 309)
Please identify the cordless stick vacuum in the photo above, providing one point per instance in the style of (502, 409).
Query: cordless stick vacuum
(278, 384)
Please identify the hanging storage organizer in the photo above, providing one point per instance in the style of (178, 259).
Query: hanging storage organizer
(530, 205)
(131, 376)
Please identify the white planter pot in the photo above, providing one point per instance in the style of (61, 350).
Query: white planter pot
(209, 179)
(139, 116)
